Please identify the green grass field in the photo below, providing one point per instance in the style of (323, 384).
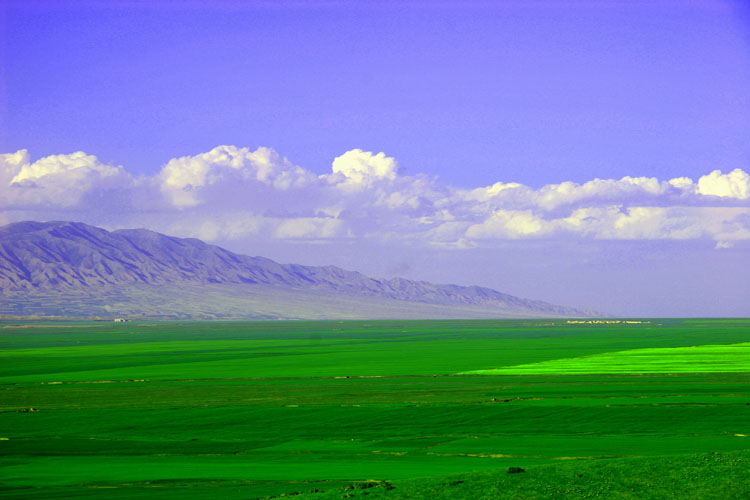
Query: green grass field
(377, 409)
(692, 359)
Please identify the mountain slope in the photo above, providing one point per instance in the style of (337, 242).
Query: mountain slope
(70, 259)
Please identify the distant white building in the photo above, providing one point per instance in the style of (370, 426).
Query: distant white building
(121, 320)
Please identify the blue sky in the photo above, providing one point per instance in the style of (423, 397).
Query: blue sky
(457, 96)
(475, 92)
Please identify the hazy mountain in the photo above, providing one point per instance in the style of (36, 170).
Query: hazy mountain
(70, 268)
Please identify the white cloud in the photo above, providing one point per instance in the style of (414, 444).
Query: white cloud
(735, 184)
(184, 180)
(357, 169)
(684, 184)
(230, 192)
(74, 166)
(57, 180)
(508, 224)
(11, 164)
(552, 196)
(571, 195)
(653, 223)
(617, 223)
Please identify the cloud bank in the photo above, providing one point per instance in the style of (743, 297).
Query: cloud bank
(232, 192)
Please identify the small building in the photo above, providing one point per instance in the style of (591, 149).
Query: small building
(121, 320)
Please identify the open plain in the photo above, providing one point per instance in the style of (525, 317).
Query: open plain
(383, 409)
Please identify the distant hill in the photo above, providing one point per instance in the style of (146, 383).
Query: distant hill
(74, 269)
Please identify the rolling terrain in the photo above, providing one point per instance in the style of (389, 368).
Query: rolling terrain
(73, 269)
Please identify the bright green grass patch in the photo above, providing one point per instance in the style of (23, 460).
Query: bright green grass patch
(694, 359)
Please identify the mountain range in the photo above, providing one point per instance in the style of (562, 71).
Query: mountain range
(76, 270)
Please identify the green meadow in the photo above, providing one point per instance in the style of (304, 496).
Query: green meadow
(376, 409)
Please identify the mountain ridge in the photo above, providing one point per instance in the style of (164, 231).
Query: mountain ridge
(59, 257)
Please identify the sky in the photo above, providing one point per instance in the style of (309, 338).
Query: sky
(594, 154)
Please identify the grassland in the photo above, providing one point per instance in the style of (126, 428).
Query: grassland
(692, 359)
(382, 409)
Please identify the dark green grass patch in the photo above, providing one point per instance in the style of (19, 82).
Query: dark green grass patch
(254, 410)
(711, 476)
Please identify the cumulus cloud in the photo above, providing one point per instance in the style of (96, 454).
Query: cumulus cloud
(230, 192)
(74, 167)
(683, 184)
(185, 180)
(58, 180)
(11, 164)
(357, 169)
(735, 184)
